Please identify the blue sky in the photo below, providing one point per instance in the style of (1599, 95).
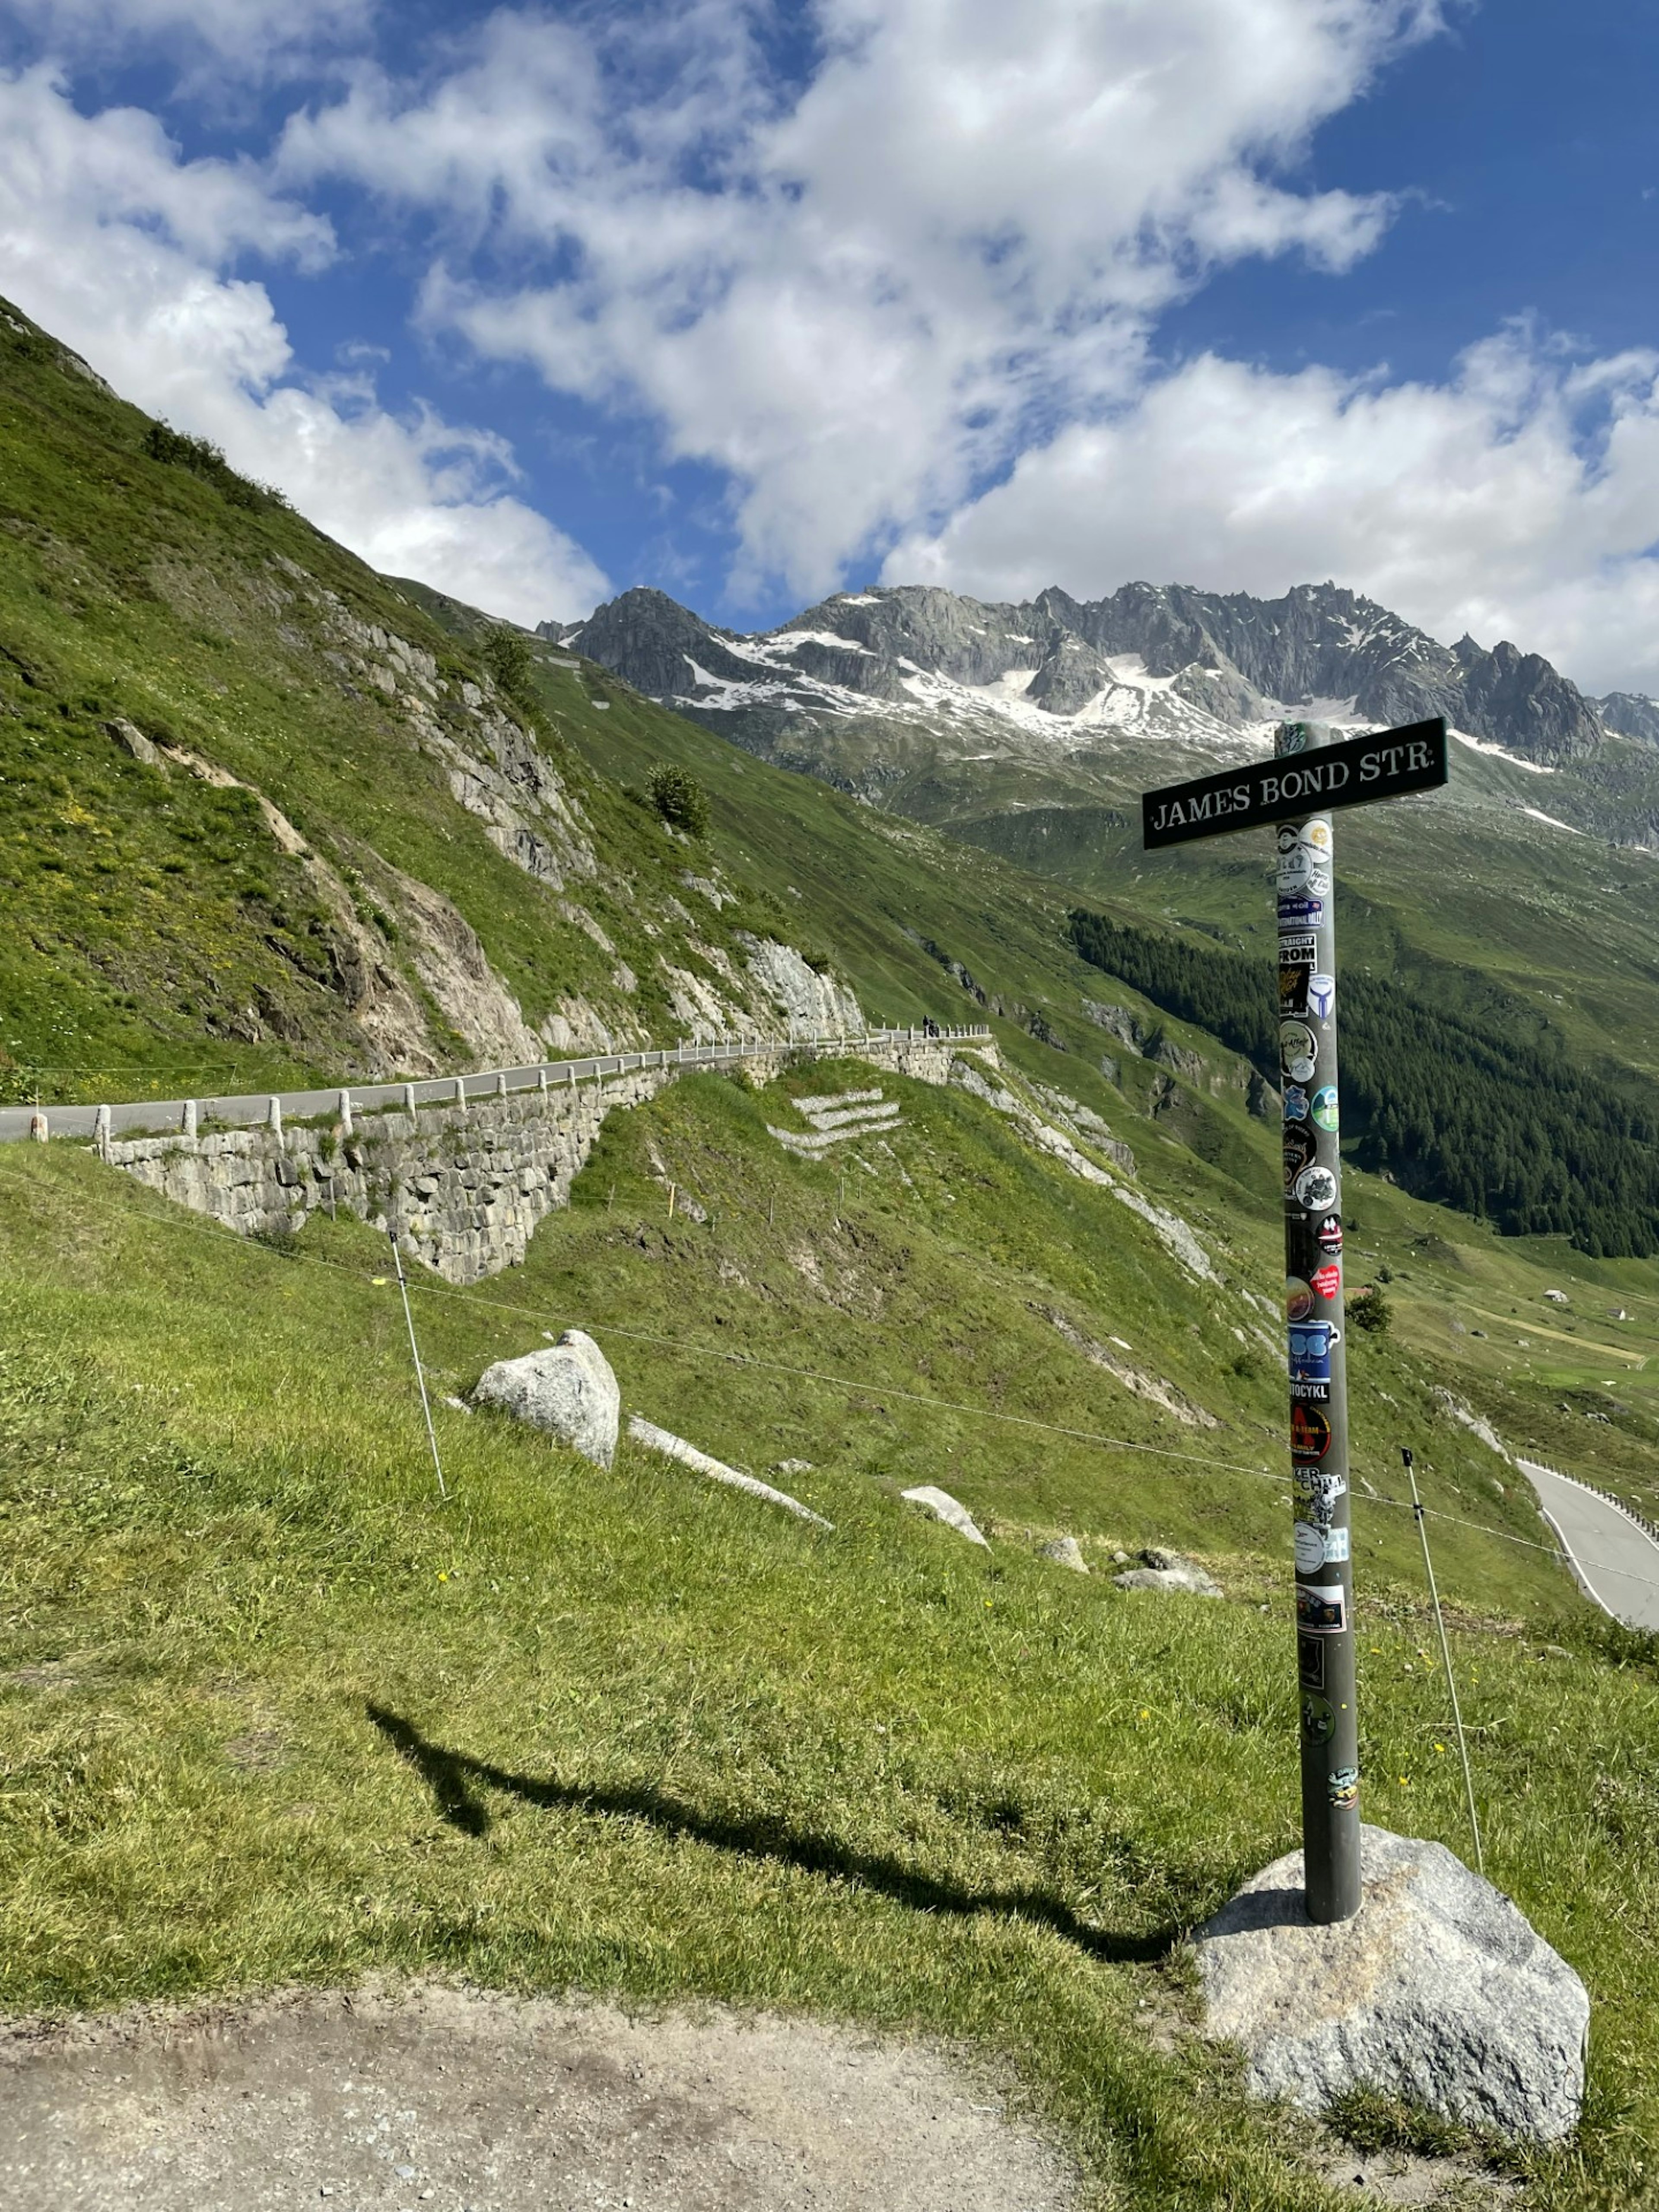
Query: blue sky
(752, 302)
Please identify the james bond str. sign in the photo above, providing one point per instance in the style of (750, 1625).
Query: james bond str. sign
(1385, 766)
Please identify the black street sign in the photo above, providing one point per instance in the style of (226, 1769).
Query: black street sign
(1385, 766)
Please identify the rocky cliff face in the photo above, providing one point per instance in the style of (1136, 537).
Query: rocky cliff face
(1632, 715)
(1152, 659)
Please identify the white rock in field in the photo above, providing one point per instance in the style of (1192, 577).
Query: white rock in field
(1065, 1551)
(1439, 1991)
(567, 1391)
(1169, 1571)
(944, 1507)
(672, 1447)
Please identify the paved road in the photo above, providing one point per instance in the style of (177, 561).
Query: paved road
(248, 1108)
(1618, 1561)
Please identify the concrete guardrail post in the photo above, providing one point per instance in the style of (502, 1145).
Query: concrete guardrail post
(460, 1093)
(187, 1119)
(409, 1100)
(541, 1080)
(500, 1086)
(101, 1132)
(345, 1114)
(38, 1128)
(274, 1116)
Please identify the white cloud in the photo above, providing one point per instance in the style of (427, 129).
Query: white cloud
(239, 38)
(116, 244)
(860, 298)
(1518, 500)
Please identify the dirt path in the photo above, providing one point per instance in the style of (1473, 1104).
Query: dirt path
(471, 2102)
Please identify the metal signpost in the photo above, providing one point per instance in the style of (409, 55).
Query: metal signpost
(1309, 774)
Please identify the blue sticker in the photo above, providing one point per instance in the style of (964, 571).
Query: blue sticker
(1300, 912)
(1295, 1102)
(1321, 995)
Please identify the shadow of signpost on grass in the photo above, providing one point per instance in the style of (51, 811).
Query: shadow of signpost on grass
(453, 1777)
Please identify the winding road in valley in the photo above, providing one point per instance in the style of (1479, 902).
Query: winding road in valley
(1615, 1557)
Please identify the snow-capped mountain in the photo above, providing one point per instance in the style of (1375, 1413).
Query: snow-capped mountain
(1058, 675)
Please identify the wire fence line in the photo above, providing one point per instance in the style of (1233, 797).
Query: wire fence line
(246, 1110)
(723, 1355)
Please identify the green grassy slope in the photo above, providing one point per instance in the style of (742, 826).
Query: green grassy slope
(271, 1712)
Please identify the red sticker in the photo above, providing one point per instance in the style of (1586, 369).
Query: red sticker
(1328, 1281)
(1310, 1433)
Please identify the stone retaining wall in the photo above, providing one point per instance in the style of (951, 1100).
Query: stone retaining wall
(465, 1188)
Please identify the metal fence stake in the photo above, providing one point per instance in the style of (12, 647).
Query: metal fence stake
(1445, 1654)
(420, 1373)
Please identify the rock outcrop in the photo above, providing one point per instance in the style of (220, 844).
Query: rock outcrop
(942, 1507)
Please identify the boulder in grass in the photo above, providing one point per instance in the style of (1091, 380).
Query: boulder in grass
(944, 1507)
(1064, 1552)
(1439, 1991)
(567, 1391)
(1169, 1571)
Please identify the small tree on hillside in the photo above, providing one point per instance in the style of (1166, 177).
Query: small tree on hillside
(1370, 1309)
(680, 799)
(511, 664)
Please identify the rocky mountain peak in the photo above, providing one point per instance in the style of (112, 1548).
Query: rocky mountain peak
(1172, 657)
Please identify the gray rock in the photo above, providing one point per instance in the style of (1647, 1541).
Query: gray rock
(944, 1507)
(675, 1448)
(1065, 1551)
(1440, 1992)
(1169, 1571)
(567, 1391)
(132, 739)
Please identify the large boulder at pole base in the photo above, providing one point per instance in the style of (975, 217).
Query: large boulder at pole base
(1439, 1991)
(567, 1391)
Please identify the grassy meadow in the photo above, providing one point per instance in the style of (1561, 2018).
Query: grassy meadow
(273, 1713)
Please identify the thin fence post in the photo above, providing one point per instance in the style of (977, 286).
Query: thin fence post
(1445, 1654)
(420, 1374)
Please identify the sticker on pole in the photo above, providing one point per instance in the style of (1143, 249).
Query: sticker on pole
(1321, 1608)
(1324, 1282)
(1302, 869)
(1299, 910)
(1324, 1106)
(1293, 990)
(1343, 1788)
(1310, 1661)
(1312, 1343)
(1300, 1144)
(1310, 1433)
(1299, 1298)
(1328, 1235)
(1316, 1188)
(1317, 1493)
(1321, 995)
(1299, 949)
(1298, 1051)
(1316, 1547)
(1318, 1718)
(1295, 1102)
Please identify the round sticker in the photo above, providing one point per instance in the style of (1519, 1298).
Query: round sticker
(1324, 1104)
(1328, 1234)
(1318, 1720)
(1326, 1281)
(1300, 1146)
(1302, 869)
(1299, 1298)
(1298, 1051)
(1316, 1188)
(1310, 1433)
(1309, 1543)
(1317, 833)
